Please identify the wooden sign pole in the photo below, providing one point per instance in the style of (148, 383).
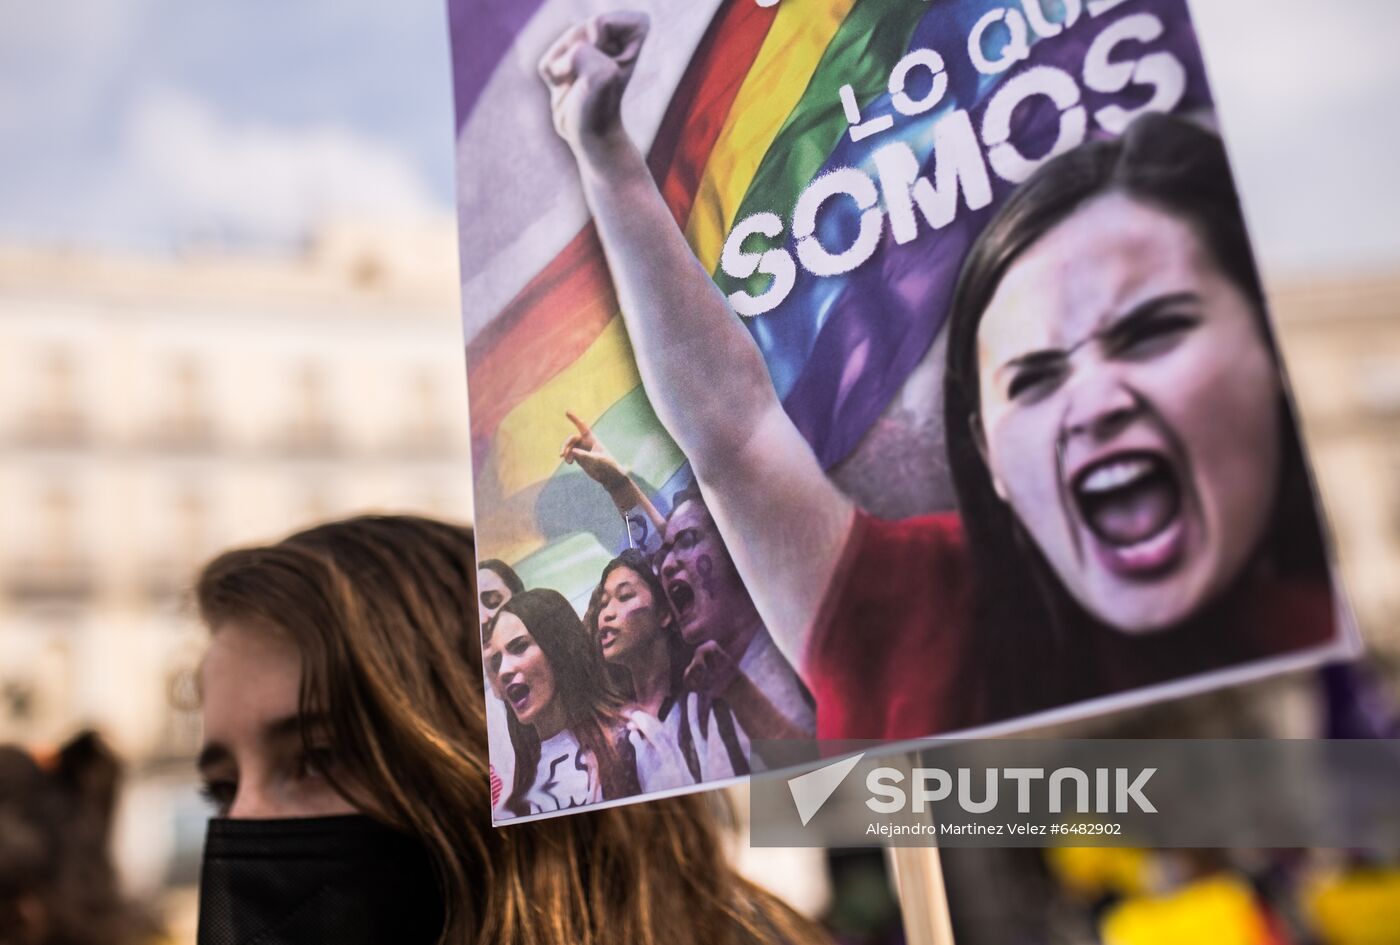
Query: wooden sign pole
(923, 899)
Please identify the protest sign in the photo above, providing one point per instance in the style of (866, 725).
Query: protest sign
(859, 369)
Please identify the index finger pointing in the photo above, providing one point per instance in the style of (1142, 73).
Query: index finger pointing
(583, 428)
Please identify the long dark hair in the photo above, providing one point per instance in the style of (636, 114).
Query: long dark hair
(382, 610)
(677, 651)
(1022, 647)
(593, 708)
(503, 571)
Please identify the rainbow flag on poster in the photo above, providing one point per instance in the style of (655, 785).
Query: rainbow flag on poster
(741, 106)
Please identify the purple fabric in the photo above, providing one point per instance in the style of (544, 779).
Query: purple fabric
(482, 31)
(1356, 703)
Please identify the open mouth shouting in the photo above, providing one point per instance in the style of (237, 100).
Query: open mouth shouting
(607, 636)
(682, 597)
(518, 695)
(1132, 508)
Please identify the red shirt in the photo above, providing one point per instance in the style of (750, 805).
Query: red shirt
(890, 640)
(886, 647)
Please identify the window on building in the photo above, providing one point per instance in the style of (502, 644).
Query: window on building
(58, 546)
(310, 428)
(56, 416)
(53, 567)
(424, 430)
(188, 422)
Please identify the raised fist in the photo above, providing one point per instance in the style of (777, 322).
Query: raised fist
(711, 670)
(587, 70)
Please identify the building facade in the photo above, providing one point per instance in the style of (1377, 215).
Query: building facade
(1341, 342)
(155, 411)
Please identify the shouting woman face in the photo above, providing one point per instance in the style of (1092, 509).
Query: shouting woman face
(630, 618)
(1130, 412)
(701, 582)
(519, 670)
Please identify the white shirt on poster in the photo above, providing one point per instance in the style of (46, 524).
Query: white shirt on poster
(567, 775)
(721, 745)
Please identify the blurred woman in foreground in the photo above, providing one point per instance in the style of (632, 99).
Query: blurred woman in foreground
(346, 753)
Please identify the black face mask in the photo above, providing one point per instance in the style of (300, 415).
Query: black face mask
(316, 881)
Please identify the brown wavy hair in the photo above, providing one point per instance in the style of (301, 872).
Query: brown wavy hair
(383, 610)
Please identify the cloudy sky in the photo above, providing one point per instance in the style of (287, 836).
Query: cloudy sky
(151, 124)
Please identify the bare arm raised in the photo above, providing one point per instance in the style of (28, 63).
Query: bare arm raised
(783, 521)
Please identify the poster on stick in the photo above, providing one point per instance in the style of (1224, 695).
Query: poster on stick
(859, 369)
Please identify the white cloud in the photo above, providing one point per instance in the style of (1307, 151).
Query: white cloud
(148, 123)
(260, 182)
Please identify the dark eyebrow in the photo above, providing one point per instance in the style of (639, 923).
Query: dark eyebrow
(283, 727)
(1117, 327)
(1126, 323)
(314, 723)
(1042, 358)
(275, 731)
